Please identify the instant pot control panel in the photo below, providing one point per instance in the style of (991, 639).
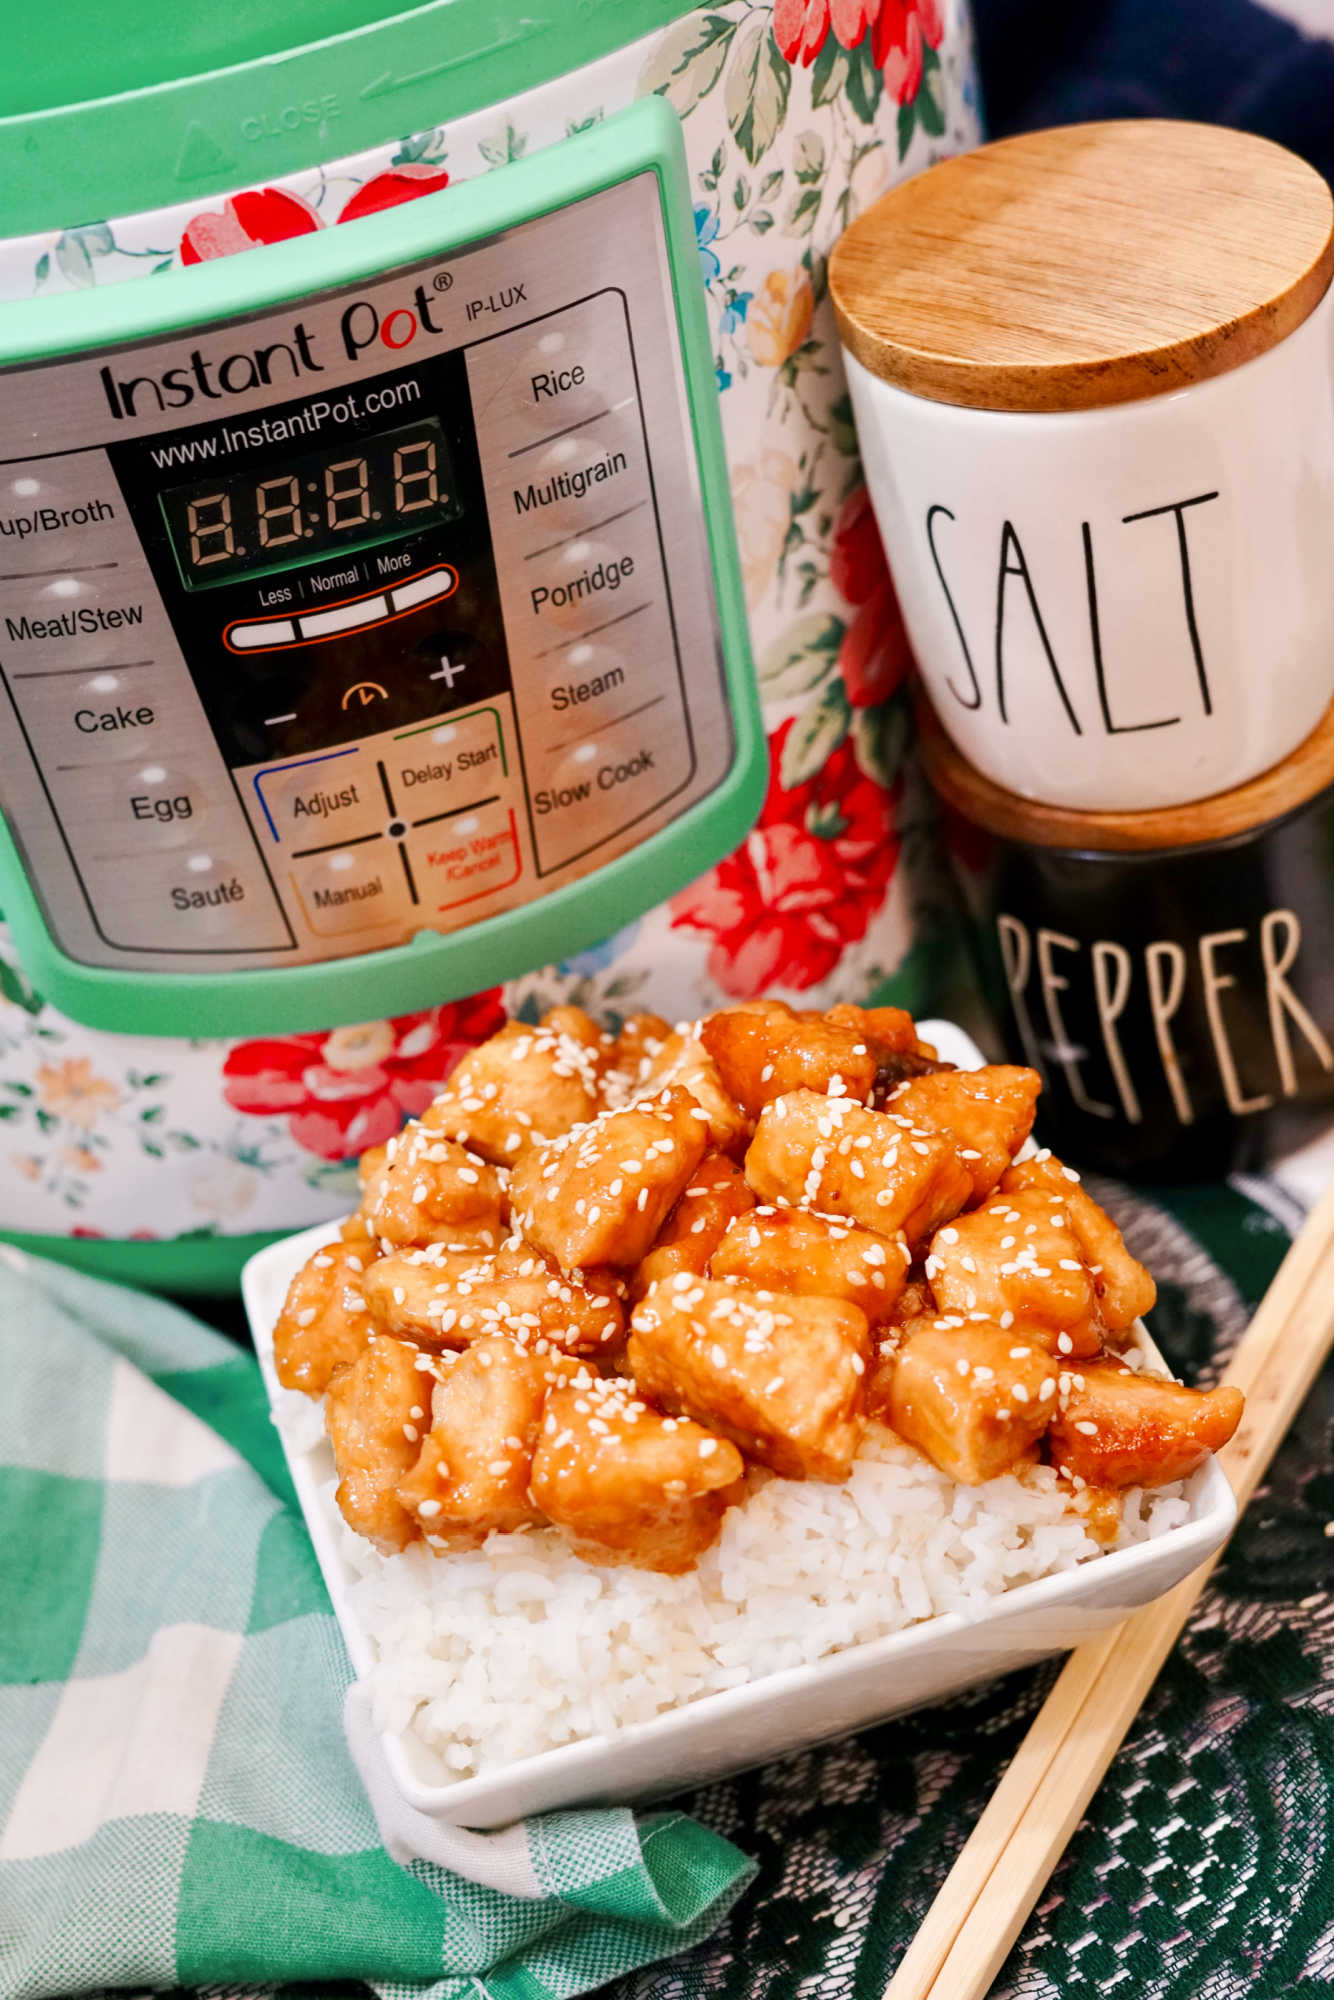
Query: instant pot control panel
(384, 611)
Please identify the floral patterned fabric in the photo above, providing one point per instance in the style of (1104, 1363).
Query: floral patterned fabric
(795, 117)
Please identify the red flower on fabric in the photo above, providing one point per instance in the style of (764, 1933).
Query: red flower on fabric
(804, 885)
(873, 657)
(800, 27)
(901, 28)
(388, 190)
(352, 1087)
(260, 215)
(898, 29)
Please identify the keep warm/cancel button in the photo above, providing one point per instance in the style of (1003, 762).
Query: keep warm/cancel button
(468, 857)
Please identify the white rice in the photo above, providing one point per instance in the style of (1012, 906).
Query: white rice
(497, 1655)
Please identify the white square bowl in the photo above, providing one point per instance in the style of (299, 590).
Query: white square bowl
(781, 1712)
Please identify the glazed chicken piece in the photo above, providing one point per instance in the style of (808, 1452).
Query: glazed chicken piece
(792, 1250)
(517, 1090)
(450, 1299)
(892, 1037)
(973, 1397)
(1116, 1428)
(624, 1484)
(989, 1111)
(582, 1028)
(764, 1049)
(427, 1188)
(684, 1062)
(781, 1376)
(601, 1194)
(639, 1042)
(717, 1194)
(1125, 1289)
(324, 1321)
(376, 1416)
(471, 1479)
(1018, 1261)
(872, 1166)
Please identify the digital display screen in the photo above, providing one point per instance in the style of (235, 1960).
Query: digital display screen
(318, 504)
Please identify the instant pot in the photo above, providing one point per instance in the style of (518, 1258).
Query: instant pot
(463, 601)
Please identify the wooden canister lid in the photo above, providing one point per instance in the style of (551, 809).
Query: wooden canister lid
(1086, 265)
(1302, 776)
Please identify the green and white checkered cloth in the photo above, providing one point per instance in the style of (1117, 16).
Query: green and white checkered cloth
(178, 1806)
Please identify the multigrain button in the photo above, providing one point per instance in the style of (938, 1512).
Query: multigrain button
(573, 481)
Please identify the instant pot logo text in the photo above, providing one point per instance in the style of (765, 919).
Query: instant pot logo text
(362, 328)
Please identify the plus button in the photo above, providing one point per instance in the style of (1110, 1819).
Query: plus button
(447, 671)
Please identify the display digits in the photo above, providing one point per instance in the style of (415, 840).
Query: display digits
(347, 493)
(278, 507)
(408, 475)
(218, 530)
(312, 504)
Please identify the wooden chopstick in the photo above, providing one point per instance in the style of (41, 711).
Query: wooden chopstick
(1003, 1866)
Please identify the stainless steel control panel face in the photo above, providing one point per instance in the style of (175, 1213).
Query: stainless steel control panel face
(383, 612)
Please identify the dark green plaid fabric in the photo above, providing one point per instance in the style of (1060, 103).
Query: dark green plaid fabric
(1205, 1867)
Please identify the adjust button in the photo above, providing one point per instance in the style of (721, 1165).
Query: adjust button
(321, 801)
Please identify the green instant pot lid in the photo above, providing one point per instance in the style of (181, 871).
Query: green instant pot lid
(105, 111)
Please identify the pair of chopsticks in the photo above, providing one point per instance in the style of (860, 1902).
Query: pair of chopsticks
(1004, 1865)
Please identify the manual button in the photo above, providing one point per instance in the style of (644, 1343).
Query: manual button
(353, 889)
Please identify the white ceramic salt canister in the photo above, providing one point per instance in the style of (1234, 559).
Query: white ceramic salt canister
(1093, 377)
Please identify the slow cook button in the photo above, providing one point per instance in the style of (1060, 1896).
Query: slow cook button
(463, 860)
(596, 788)
(354, 889)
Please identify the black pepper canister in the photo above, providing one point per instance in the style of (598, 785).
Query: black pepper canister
(1171, 973)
